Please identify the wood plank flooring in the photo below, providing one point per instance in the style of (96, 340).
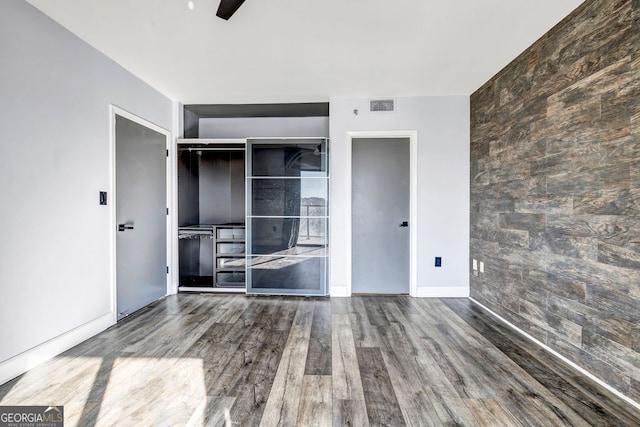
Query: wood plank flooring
(278, 361)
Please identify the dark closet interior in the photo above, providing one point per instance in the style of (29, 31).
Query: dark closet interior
(211, 215)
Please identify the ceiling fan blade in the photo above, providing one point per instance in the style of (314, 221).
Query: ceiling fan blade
(227, 8)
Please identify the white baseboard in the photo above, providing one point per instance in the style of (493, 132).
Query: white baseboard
(558, 355)
(21, 363)
(442, 292)
(339, 291)
(422, 292)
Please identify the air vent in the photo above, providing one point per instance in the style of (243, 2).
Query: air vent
(381, 105)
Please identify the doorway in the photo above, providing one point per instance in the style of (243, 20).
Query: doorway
(140, 154)
(383, 223)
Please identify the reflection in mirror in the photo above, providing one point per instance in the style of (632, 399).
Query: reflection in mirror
(288, 273)
(287, 205)
(289, 197)
(288, 235)
(288, 159)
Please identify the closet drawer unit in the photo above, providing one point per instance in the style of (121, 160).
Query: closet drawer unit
(230, 248)
(230, 279)
(231, 263)
(230, 233)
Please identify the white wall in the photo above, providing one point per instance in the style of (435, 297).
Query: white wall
(54, 159)
(443, 187)
(246, 127)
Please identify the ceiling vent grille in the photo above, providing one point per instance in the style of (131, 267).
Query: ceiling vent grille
(382, 105)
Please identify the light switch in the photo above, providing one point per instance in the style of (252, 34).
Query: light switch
(475, 264)
(481, 267)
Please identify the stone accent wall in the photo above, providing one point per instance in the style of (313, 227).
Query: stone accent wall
(555, 191)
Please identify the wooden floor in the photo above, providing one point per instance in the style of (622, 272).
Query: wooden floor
(238, 360)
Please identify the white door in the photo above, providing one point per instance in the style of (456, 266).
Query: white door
(380, 203)
(141, 215)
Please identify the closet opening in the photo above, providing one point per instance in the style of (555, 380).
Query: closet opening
(211, 216)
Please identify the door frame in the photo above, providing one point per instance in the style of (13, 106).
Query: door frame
(412, 135)
(112, 198)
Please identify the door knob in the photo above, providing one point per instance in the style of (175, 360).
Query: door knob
(404, 224)
(123, 227)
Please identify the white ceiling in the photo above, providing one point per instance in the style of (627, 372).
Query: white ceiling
(310, 50)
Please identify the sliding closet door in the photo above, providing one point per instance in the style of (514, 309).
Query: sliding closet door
(287, 216)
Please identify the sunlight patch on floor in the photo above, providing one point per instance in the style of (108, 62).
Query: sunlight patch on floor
(145, 391)
(62, 381)
(130, 390)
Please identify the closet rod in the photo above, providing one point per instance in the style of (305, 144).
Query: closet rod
(215, 149)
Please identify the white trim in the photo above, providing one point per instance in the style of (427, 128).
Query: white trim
(240, 141)
(21, 363)
(130, 116)
(339, 292)
(172, 234)
(443, 292)
(558, 355)
(113, 111)
(213, 290)
(413, 191)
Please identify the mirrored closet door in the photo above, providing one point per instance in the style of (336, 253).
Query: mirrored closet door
(287, 216)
